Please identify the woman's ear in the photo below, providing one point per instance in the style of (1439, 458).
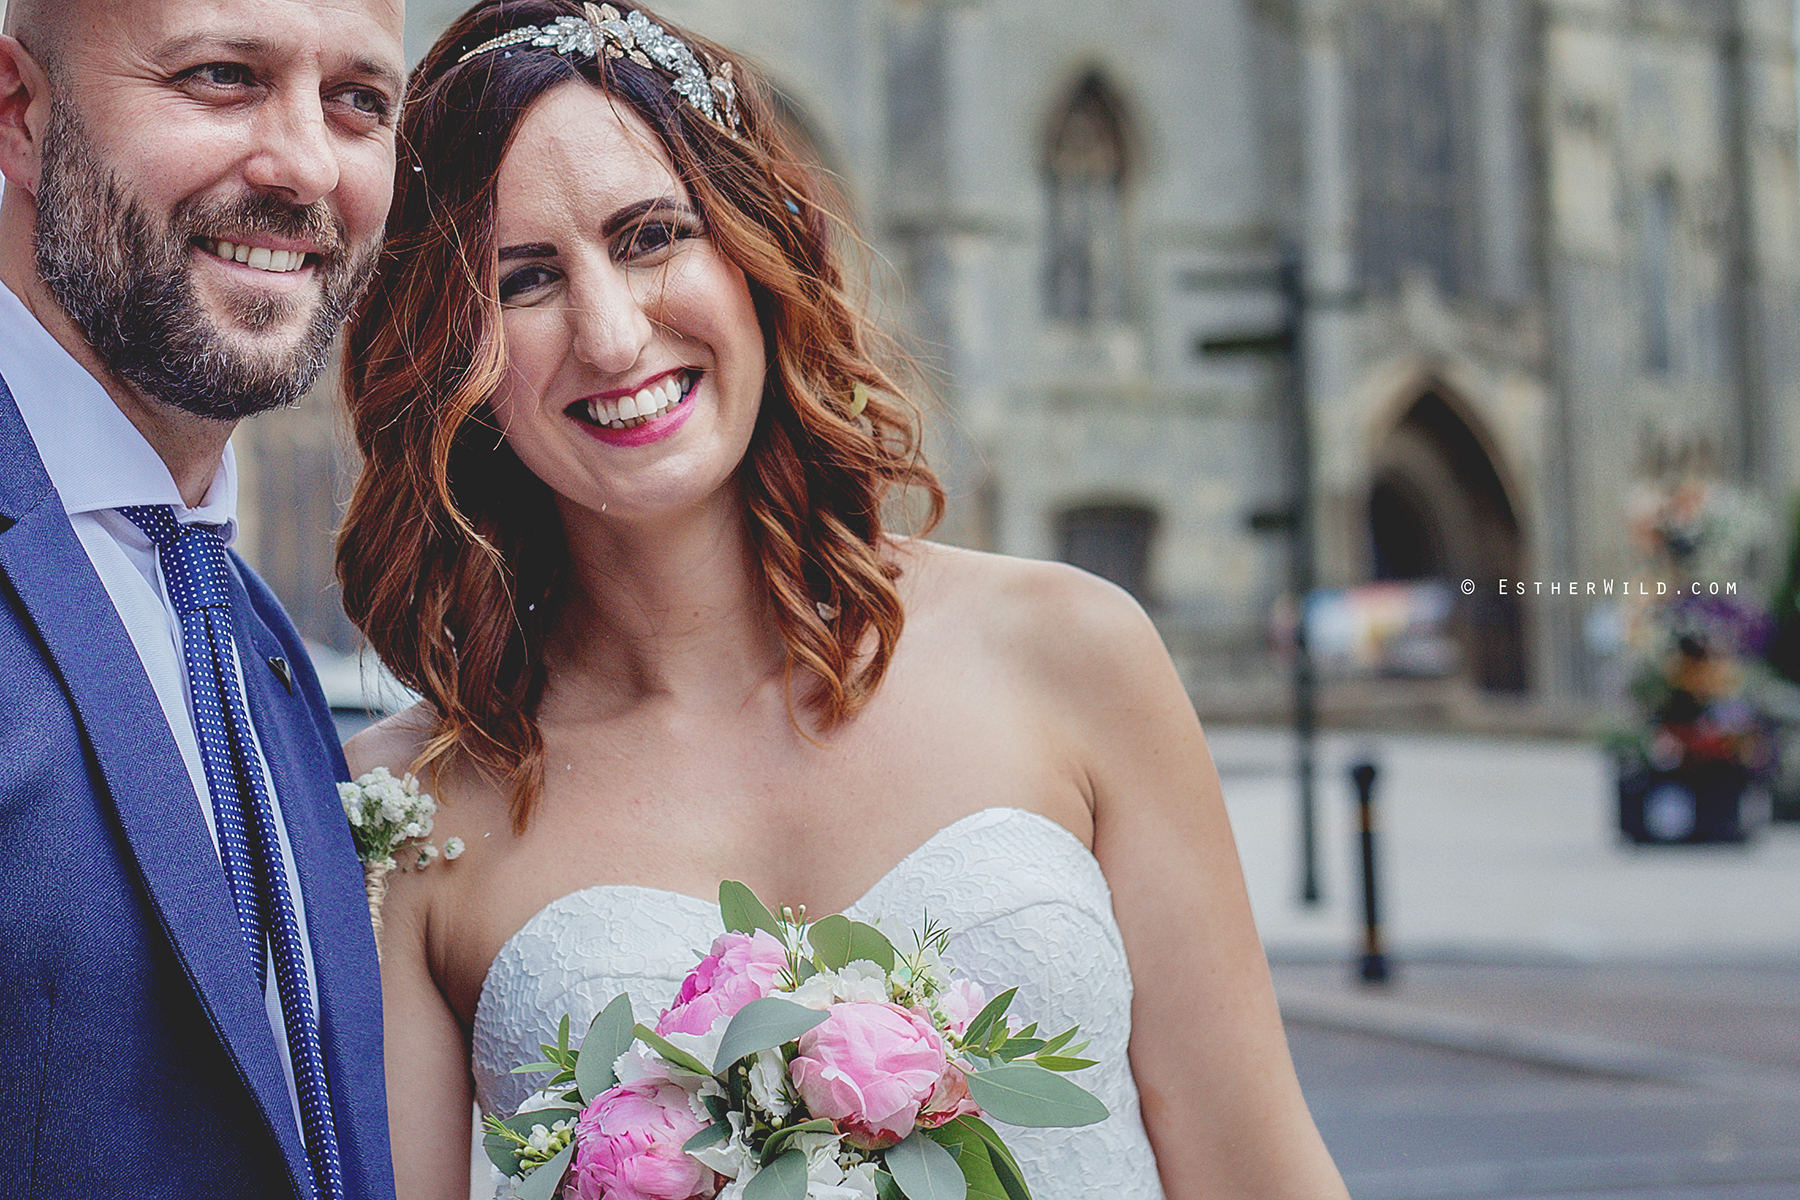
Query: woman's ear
(24, 111)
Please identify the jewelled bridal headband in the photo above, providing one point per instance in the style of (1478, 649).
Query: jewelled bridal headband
(638, 38)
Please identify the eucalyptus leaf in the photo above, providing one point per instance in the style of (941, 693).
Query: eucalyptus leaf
(761, 1025)
(1018, 1047)
(521, 1123)
(840, 941)
(609, 1036)
(830, 940)
(542, 1183)
(1026, 1094)
(502, 1153)
(978, 1029)
(783, 1179)
(925, 1170)
(869, 943)
(886, 1188)
(1006, 1167)
(774, 1145)
(743, 912)
(709, 1135)
(973, 1158)
(674, 1054)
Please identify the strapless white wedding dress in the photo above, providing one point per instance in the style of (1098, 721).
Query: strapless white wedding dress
(1030, 909)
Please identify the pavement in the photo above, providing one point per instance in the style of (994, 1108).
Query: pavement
(1566, 1013)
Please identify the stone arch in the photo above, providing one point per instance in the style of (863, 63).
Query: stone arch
(1439, 508)
(1087, 165)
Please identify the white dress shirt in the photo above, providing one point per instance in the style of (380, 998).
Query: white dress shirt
(99, 462)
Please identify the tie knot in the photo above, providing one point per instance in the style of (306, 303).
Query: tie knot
(192, 556)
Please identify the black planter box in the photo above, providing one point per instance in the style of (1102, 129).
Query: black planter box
(1699, 802)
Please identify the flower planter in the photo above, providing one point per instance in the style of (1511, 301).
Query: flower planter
(1695, 803)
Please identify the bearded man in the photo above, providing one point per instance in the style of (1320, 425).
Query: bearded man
(189, 1006)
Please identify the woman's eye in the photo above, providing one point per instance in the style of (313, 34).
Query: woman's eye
(521, 284)
(651, 239)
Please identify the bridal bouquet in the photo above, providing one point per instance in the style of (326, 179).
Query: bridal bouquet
(798, 1062)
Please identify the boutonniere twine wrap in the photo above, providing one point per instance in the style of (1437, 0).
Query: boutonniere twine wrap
(798, 1062)
(390, 820)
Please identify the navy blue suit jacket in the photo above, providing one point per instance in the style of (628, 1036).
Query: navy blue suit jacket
(136, 1058)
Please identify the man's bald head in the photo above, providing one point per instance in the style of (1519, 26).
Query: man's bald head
(42, 27)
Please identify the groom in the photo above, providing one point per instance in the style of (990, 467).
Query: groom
(189, 1004)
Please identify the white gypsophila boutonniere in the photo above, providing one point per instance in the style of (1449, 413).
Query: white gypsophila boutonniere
(391, 821)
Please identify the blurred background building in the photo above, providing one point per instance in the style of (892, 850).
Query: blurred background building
(1551, 248)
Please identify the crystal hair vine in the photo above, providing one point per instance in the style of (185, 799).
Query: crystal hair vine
(634, 36)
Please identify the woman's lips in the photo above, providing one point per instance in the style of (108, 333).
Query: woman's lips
(657, 411)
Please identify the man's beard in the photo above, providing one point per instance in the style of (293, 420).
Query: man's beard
(128, 284)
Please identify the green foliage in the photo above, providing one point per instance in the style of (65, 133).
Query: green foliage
(542, 1183)
(839, 941)
(783, 1179)
(743, 912)
(1022, 1093)
(671, 1053)
(762, 1025)
(925, 1170)
(609, 1036)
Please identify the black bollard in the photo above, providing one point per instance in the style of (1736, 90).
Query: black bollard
(1374, 965)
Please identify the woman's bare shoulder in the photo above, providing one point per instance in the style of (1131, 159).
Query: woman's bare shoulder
(394, 742)
(1062, 624)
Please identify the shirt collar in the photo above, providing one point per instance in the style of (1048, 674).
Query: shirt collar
(94, 455)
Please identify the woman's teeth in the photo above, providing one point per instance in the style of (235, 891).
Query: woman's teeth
(260, 257)
(650, 403)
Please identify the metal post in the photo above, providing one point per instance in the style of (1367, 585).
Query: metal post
(1293, 290)
(1288, 341)
(1373, 967)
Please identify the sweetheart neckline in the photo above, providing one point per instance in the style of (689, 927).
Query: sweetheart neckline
(1003, 811)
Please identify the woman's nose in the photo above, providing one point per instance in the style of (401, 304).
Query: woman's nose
(612, 322)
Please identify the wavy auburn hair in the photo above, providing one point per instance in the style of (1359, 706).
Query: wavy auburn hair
(451, 554)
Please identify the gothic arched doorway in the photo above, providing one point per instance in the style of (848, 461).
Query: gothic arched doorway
(1438, 510)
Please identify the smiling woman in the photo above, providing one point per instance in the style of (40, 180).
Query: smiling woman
(621, 524)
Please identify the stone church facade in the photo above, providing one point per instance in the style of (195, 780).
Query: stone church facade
(1547, 244)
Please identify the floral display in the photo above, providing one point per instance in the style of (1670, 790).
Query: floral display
(1696, 644)
(798, 1061)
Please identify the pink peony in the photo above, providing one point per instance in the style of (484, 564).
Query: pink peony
(741, 968)
(628, 1146)
(869, 1068)
(963, 1000)
(949, 1099)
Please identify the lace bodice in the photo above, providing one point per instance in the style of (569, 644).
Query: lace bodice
(1029, 907)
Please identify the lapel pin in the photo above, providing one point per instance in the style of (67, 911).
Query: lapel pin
(283, 672)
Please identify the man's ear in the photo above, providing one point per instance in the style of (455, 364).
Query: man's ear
(24, 112)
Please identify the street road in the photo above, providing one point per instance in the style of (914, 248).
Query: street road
(1413, 1121)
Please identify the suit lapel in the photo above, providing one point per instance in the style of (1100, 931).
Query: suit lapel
(142, 770)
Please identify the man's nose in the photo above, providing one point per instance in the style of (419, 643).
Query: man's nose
(294, 156)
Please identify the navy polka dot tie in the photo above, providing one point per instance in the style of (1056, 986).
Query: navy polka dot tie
(199, 581)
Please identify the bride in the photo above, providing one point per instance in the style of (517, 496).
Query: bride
(627, 446)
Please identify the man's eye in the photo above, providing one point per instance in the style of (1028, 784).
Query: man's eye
(224, 75)
(524, 282)
(368, 101)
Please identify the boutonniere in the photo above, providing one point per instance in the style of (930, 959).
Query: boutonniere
(390, 822)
